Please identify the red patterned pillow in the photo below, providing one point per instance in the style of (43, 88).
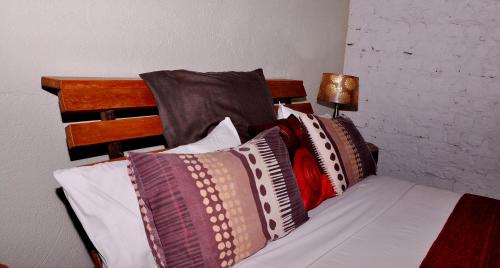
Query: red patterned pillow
(313, 183)
(291, 132)
(216, 209)
(340, 150)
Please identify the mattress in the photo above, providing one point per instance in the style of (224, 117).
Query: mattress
(379, 222)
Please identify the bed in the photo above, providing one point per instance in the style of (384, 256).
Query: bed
(378, 222)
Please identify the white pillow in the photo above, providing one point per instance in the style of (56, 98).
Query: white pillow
(104, 200)
(284, 112)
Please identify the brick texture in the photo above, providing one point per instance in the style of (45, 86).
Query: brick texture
(430, 89)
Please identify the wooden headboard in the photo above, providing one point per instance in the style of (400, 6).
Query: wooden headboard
(123, 111)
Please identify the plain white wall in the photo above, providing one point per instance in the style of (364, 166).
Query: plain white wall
(296, 39)
(430, 78)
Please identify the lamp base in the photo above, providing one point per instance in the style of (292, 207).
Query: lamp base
(336, 111)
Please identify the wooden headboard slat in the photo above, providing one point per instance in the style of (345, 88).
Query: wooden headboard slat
(286, 88)
(100, 94)
(99, 132)
(102, 99)
(304, 107)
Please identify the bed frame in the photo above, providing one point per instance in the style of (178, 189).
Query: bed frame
(113, 115)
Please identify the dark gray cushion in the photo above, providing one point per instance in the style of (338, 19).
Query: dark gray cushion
(190, 103)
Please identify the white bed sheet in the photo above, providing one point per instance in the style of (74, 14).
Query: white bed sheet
(379, 222)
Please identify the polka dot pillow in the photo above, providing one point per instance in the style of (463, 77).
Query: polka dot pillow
(340, 150)
(216, 209)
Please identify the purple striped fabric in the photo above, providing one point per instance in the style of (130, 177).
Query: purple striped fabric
(340, 150)
(215, 209)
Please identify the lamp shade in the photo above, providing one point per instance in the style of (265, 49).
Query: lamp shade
(339, 89)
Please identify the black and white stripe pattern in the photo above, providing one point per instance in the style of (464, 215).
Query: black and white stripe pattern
(325, 154)
(279, 184)
(275, 184)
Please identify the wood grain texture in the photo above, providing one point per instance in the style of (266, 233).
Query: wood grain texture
(84, 134)
(80, 94)
(304, 107)
(281, 88)
(109, 131)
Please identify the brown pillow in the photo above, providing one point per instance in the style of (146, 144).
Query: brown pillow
(190, 103)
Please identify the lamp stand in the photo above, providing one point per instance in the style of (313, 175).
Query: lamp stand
(336, 111)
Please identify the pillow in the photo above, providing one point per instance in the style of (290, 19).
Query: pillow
(103, 198)
(340, 150)
(191, 103)
(314, 186)
(218, 208)
(284, 112)
(290, 132)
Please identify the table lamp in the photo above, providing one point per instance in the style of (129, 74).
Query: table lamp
(339, 90)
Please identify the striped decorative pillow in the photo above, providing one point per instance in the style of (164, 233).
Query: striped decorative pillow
(314, 185)
(216, 209)
(340, 150)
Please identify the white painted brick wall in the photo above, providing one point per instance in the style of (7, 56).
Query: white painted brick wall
(430, 89)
